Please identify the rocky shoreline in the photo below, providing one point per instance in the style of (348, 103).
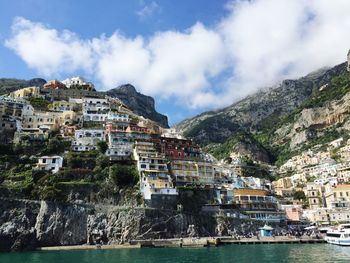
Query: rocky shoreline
(28, 224)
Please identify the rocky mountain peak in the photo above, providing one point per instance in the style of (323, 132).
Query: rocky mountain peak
(141, 104)
(127, 88)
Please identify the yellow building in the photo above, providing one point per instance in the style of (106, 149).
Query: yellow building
(340, 197)
(62, 106)
(190, 172)
(48, 120)
(283, 183)
(314, 194)
(254, 199)
(11, 107)
(33, 92)
(283, 187)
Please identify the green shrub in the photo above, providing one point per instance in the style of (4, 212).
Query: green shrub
(102, 146)
(123, 175)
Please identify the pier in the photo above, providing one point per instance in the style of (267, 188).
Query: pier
(193, 242)
(271, 240)
(217, 241)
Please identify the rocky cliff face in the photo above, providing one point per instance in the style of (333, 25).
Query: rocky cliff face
(261, 111)
(310, 122)
(140, 104)
(255, 110)
(25, 225)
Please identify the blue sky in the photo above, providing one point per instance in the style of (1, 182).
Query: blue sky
(92, 18)
(190, 55)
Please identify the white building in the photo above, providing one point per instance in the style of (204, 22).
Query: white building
(157, 185)
(172, 133)
(327, 167)
(119, 151)
(50, 163)
(116, 116)
(155, 180)
(95, 109)
(87, 139)
(327, 215)
(119, 144)
(79, 81)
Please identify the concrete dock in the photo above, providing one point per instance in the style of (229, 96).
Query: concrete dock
(192, 242)
(271, 240)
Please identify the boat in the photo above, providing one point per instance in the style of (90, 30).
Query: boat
(324, 228)
(339, 236)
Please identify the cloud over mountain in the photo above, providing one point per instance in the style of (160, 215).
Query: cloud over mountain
(257, 44)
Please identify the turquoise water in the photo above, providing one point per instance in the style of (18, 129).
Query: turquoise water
(232, 253)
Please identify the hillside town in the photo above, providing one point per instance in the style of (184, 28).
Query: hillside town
(313, 186)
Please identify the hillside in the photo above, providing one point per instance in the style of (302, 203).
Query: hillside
(261, 114)
(140, 104)
(9, 84)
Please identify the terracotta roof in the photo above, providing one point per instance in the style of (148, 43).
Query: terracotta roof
(342, 187)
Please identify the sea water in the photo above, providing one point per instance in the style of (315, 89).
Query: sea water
(270, 253)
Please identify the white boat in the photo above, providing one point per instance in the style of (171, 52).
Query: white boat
(339, 236)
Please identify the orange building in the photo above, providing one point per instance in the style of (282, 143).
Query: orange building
(54, 84)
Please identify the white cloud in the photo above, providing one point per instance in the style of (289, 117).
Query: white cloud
(269, 40)
(257, 44)
(48, 50)
(148, 10)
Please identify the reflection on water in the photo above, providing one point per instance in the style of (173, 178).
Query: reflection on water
(309, 253)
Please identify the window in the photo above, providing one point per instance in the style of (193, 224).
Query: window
(44, 160)
(54, 160)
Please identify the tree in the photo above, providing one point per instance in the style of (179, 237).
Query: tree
(123, 175)
(55, 146)
(102, 146)
(299, 195)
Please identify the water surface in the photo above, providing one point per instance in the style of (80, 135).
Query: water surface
(231, 253)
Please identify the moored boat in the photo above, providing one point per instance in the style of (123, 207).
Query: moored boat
(339, 236)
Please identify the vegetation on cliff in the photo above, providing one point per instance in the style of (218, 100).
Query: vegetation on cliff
(257, 119)
(87, 175)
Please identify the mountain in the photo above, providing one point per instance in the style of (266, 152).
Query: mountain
(140, 104)
(9, 84)
(256, 115)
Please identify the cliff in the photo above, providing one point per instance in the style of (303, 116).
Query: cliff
(140, 104)
(263, 113)
(25, 225)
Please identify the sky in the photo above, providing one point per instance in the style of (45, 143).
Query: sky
(190, 55)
